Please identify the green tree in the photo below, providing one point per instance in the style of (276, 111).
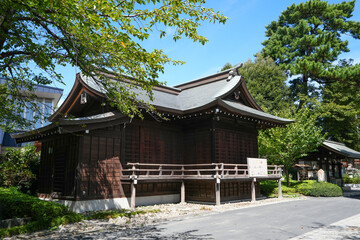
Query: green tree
(19, 167)
(283, 146)
(307, 39)
(97, 36)
(227, 66)
(340, 111)
(266, 83)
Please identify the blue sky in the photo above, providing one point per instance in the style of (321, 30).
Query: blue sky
(235, 41)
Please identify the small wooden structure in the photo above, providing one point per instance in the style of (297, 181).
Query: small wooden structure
(331, 157)
(94, 157)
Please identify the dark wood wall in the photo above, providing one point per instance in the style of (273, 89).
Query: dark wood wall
(104, 152)
(204, 191)
(59, 157)
(197, 142)
(234, 142)
(100, 164)
(152, 142)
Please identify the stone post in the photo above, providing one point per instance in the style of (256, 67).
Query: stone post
(253, 191)
(279, 189)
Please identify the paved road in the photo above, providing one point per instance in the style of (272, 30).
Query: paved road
(277, 221)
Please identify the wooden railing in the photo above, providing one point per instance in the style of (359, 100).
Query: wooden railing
(143, 171)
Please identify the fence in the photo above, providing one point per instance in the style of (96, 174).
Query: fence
(146, 171)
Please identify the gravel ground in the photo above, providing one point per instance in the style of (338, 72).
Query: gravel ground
(142, 225)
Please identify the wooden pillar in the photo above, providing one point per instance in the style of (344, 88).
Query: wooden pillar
(217, 191)
(133, 194)
(279, 189)
(320, 163)
(327, 170)
(182, 192)
(253, 192)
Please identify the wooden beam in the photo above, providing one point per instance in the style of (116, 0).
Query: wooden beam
(182, 192)
(253, 193)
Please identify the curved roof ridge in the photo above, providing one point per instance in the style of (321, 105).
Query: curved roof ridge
(203, 80)
(334, 142)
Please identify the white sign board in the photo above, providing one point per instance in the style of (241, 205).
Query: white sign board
(257, 167)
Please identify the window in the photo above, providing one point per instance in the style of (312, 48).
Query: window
(48, 110)
(44, 110)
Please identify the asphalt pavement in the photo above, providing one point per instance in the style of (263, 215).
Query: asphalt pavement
(313, 218)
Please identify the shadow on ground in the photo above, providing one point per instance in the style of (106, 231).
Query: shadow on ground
(145, 232)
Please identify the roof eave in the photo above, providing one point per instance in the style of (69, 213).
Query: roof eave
(348, 155)
(249, 114)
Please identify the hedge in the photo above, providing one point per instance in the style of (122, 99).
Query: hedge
(308, 188)
(319, 189)
(351, 180)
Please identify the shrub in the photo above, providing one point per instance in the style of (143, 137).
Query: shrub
(43, 214)
(351, 180)
(319, 189)
(308, 188)
(19, 167)
(267, 188)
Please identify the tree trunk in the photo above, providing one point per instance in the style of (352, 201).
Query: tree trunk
(287, 177)
(304, 89)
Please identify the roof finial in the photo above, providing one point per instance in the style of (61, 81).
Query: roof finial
(234, 72)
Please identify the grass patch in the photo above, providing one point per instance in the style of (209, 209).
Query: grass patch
(47, 214)
(107, 214)
(308, 188)
(269, 188)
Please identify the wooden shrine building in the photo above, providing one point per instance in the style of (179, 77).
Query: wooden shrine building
(332, 157)
(101, 159)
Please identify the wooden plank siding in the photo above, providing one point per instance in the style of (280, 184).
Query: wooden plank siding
(45, 169)
(150, 142)
(204, 191)
(234, 142)
(100, 165)
(57, 166)
(197, 143)
(102, 154)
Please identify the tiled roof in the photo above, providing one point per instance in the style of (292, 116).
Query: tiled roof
(197, 94)
(251, 112)
(340, 148)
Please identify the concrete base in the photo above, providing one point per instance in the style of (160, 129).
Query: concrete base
(117, 203)
(352, 185)
(96, 205)
(159, 199)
